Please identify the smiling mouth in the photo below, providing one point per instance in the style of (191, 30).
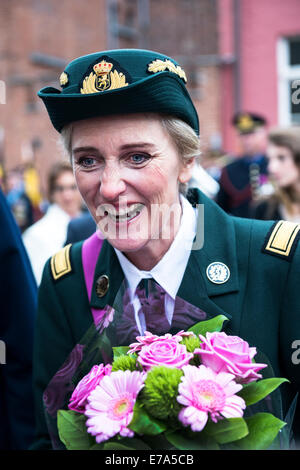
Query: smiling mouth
(124, 215)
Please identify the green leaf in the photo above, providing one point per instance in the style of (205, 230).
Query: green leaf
(97, 446)
(227, 430)
(263, 428)
(158, 442)
(120, 351)
(73, 431)
(116, 446)
(121, 443)
(256, 391)
(214, 324)
(143, 423)
(194, 442)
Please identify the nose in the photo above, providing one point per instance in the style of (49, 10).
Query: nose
(273, 167)
(112, 184)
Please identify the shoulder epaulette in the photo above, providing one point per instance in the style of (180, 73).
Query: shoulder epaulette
(282, 239)
(60, 263)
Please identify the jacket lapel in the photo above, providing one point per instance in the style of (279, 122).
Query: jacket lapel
(196, 286)
(107, 265)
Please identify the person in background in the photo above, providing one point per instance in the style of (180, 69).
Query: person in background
(18, 201)
(1, 176)
(80, 228)
(18, 293)
(283, 154)
(245, 178)
(48, 235)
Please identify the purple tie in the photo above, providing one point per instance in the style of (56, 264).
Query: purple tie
(152, 299)
(153, 308)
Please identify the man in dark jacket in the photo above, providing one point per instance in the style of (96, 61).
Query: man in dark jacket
(245, 178)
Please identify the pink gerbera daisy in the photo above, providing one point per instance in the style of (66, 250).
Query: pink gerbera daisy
(110, 404)
(206, 393)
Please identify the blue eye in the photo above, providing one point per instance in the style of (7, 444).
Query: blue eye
(86, 162)
(139, 158)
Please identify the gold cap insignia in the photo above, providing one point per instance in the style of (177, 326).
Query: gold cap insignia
(63, 79)
(103, 78)
(245, 123)
(159, 65)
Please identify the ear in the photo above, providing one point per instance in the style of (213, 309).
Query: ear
(186, 170)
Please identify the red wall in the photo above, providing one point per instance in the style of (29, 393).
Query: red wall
(261, 23)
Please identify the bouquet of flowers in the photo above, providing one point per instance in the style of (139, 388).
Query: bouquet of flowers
(185, 391)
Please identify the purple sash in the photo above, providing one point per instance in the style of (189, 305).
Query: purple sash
(90, 252)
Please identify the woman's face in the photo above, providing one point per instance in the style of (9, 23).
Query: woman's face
(66, 194)
(128, 170)
(281, 166)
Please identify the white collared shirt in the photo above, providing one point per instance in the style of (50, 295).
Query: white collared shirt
(45, 237)
(174, 261)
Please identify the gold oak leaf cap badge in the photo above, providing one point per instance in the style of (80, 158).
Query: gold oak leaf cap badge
(159, 65)
(63, 79)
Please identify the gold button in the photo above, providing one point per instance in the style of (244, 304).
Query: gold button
(102, 285)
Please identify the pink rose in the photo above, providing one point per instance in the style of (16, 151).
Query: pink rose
(223, 353)
(150, 338)
(164, 351)
(142, 341)
(78, 400)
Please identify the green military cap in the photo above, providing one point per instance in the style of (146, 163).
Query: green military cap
(120, 81)
(246, 123)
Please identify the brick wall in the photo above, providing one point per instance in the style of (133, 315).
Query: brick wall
(61, 29)
(31, 30)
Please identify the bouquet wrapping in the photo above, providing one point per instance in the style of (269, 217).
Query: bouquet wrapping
(188, 391)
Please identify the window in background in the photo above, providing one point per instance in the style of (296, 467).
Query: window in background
(288, 66)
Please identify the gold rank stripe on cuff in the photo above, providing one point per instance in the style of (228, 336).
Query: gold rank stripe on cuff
(282, 239)
(60, 263)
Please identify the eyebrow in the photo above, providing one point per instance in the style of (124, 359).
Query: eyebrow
(90, 148)
(85, 149)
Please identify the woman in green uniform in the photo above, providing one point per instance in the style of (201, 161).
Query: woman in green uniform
(163, 258)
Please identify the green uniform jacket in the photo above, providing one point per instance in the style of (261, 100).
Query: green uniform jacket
(260, 299)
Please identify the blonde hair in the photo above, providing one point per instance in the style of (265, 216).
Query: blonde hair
(184, 137)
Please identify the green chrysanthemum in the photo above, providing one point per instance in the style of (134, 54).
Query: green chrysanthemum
(159, 395)
(191, 342)
(125, 362)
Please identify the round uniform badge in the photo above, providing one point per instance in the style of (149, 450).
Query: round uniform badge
(102, 286)
(217, 272)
